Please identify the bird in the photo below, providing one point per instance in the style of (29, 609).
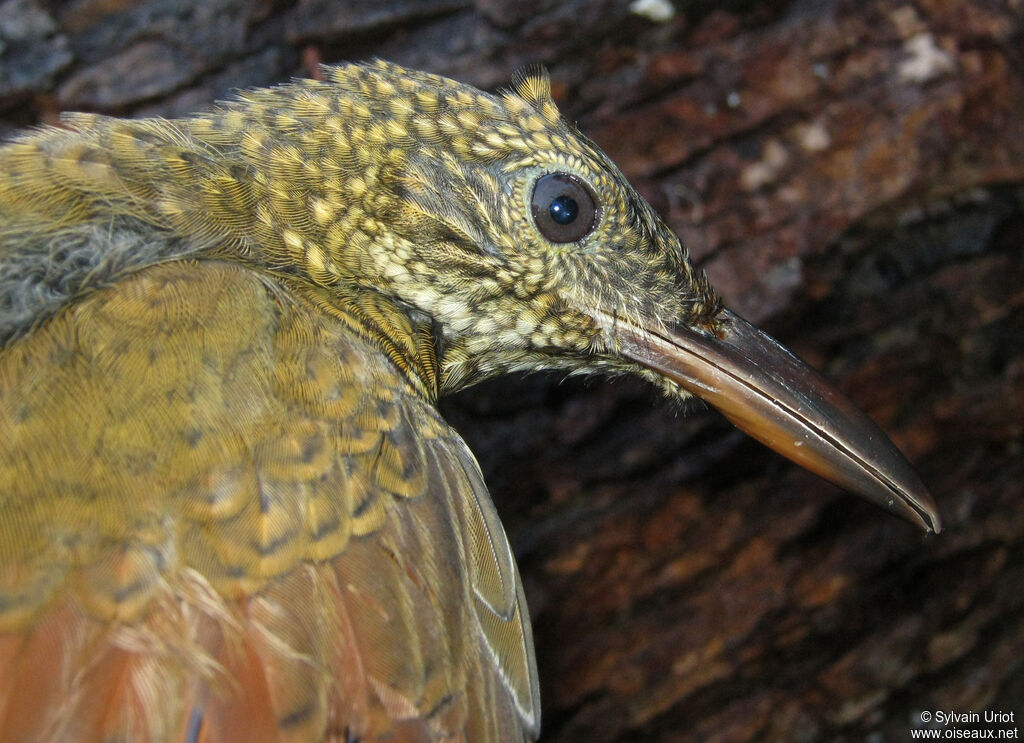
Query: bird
(230, 509)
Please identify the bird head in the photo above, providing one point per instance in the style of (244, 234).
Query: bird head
(517, 236)
(527, 249)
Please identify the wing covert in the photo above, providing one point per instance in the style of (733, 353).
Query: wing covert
(225, 513)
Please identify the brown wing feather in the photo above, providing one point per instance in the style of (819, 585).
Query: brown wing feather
(226, 516)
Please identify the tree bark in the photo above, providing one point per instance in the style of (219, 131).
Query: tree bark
(851, 175)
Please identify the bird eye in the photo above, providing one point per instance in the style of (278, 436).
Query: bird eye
(563, 208)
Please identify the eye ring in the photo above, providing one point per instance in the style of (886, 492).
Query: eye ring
(563, 207)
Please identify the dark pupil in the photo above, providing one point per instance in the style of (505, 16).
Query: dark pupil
(564, 209)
